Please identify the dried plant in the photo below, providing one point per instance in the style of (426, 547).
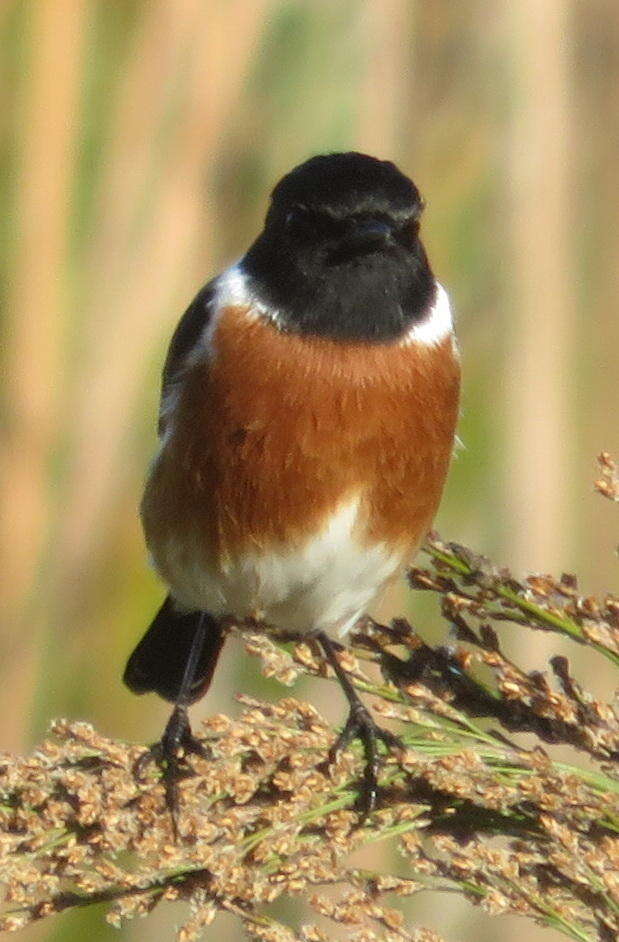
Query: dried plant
(474, 807)
(608, 483)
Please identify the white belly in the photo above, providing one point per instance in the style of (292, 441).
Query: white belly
(324, 584)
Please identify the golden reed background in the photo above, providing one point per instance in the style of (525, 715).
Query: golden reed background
(139, 140)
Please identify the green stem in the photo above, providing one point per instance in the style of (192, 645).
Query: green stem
(561, 623)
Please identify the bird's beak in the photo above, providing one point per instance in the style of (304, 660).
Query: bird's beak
(370, 233)
(364, 237)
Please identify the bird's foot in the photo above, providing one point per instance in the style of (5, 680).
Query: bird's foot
(361, 725)
(170, 754)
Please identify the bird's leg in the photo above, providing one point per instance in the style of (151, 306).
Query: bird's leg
(359, 725)
(178, 741)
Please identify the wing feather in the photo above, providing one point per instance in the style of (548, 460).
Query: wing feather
(184, 339)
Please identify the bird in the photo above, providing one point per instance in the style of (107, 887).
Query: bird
(309, 403)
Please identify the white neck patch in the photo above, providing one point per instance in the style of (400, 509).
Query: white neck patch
(232, 290)
(436, 325)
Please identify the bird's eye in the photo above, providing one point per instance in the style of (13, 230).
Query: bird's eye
(308, 224)
(296, 215)
(407, 234)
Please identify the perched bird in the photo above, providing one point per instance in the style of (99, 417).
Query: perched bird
(308, 413)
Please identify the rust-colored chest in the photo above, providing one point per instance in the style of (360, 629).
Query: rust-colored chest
(276, 430)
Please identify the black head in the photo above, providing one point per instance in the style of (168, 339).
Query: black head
(340, 254)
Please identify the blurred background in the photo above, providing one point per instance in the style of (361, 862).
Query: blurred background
(139, 142)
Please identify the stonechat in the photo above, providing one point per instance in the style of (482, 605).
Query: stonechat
(308, 413)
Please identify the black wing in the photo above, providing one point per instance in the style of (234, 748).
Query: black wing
(184, 339)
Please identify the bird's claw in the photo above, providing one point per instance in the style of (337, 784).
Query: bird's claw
(361, 725)
(169, 754)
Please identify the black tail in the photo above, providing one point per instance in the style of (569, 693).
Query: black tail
(159, 660)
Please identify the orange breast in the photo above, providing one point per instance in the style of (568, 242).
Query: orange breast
(278, 429)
